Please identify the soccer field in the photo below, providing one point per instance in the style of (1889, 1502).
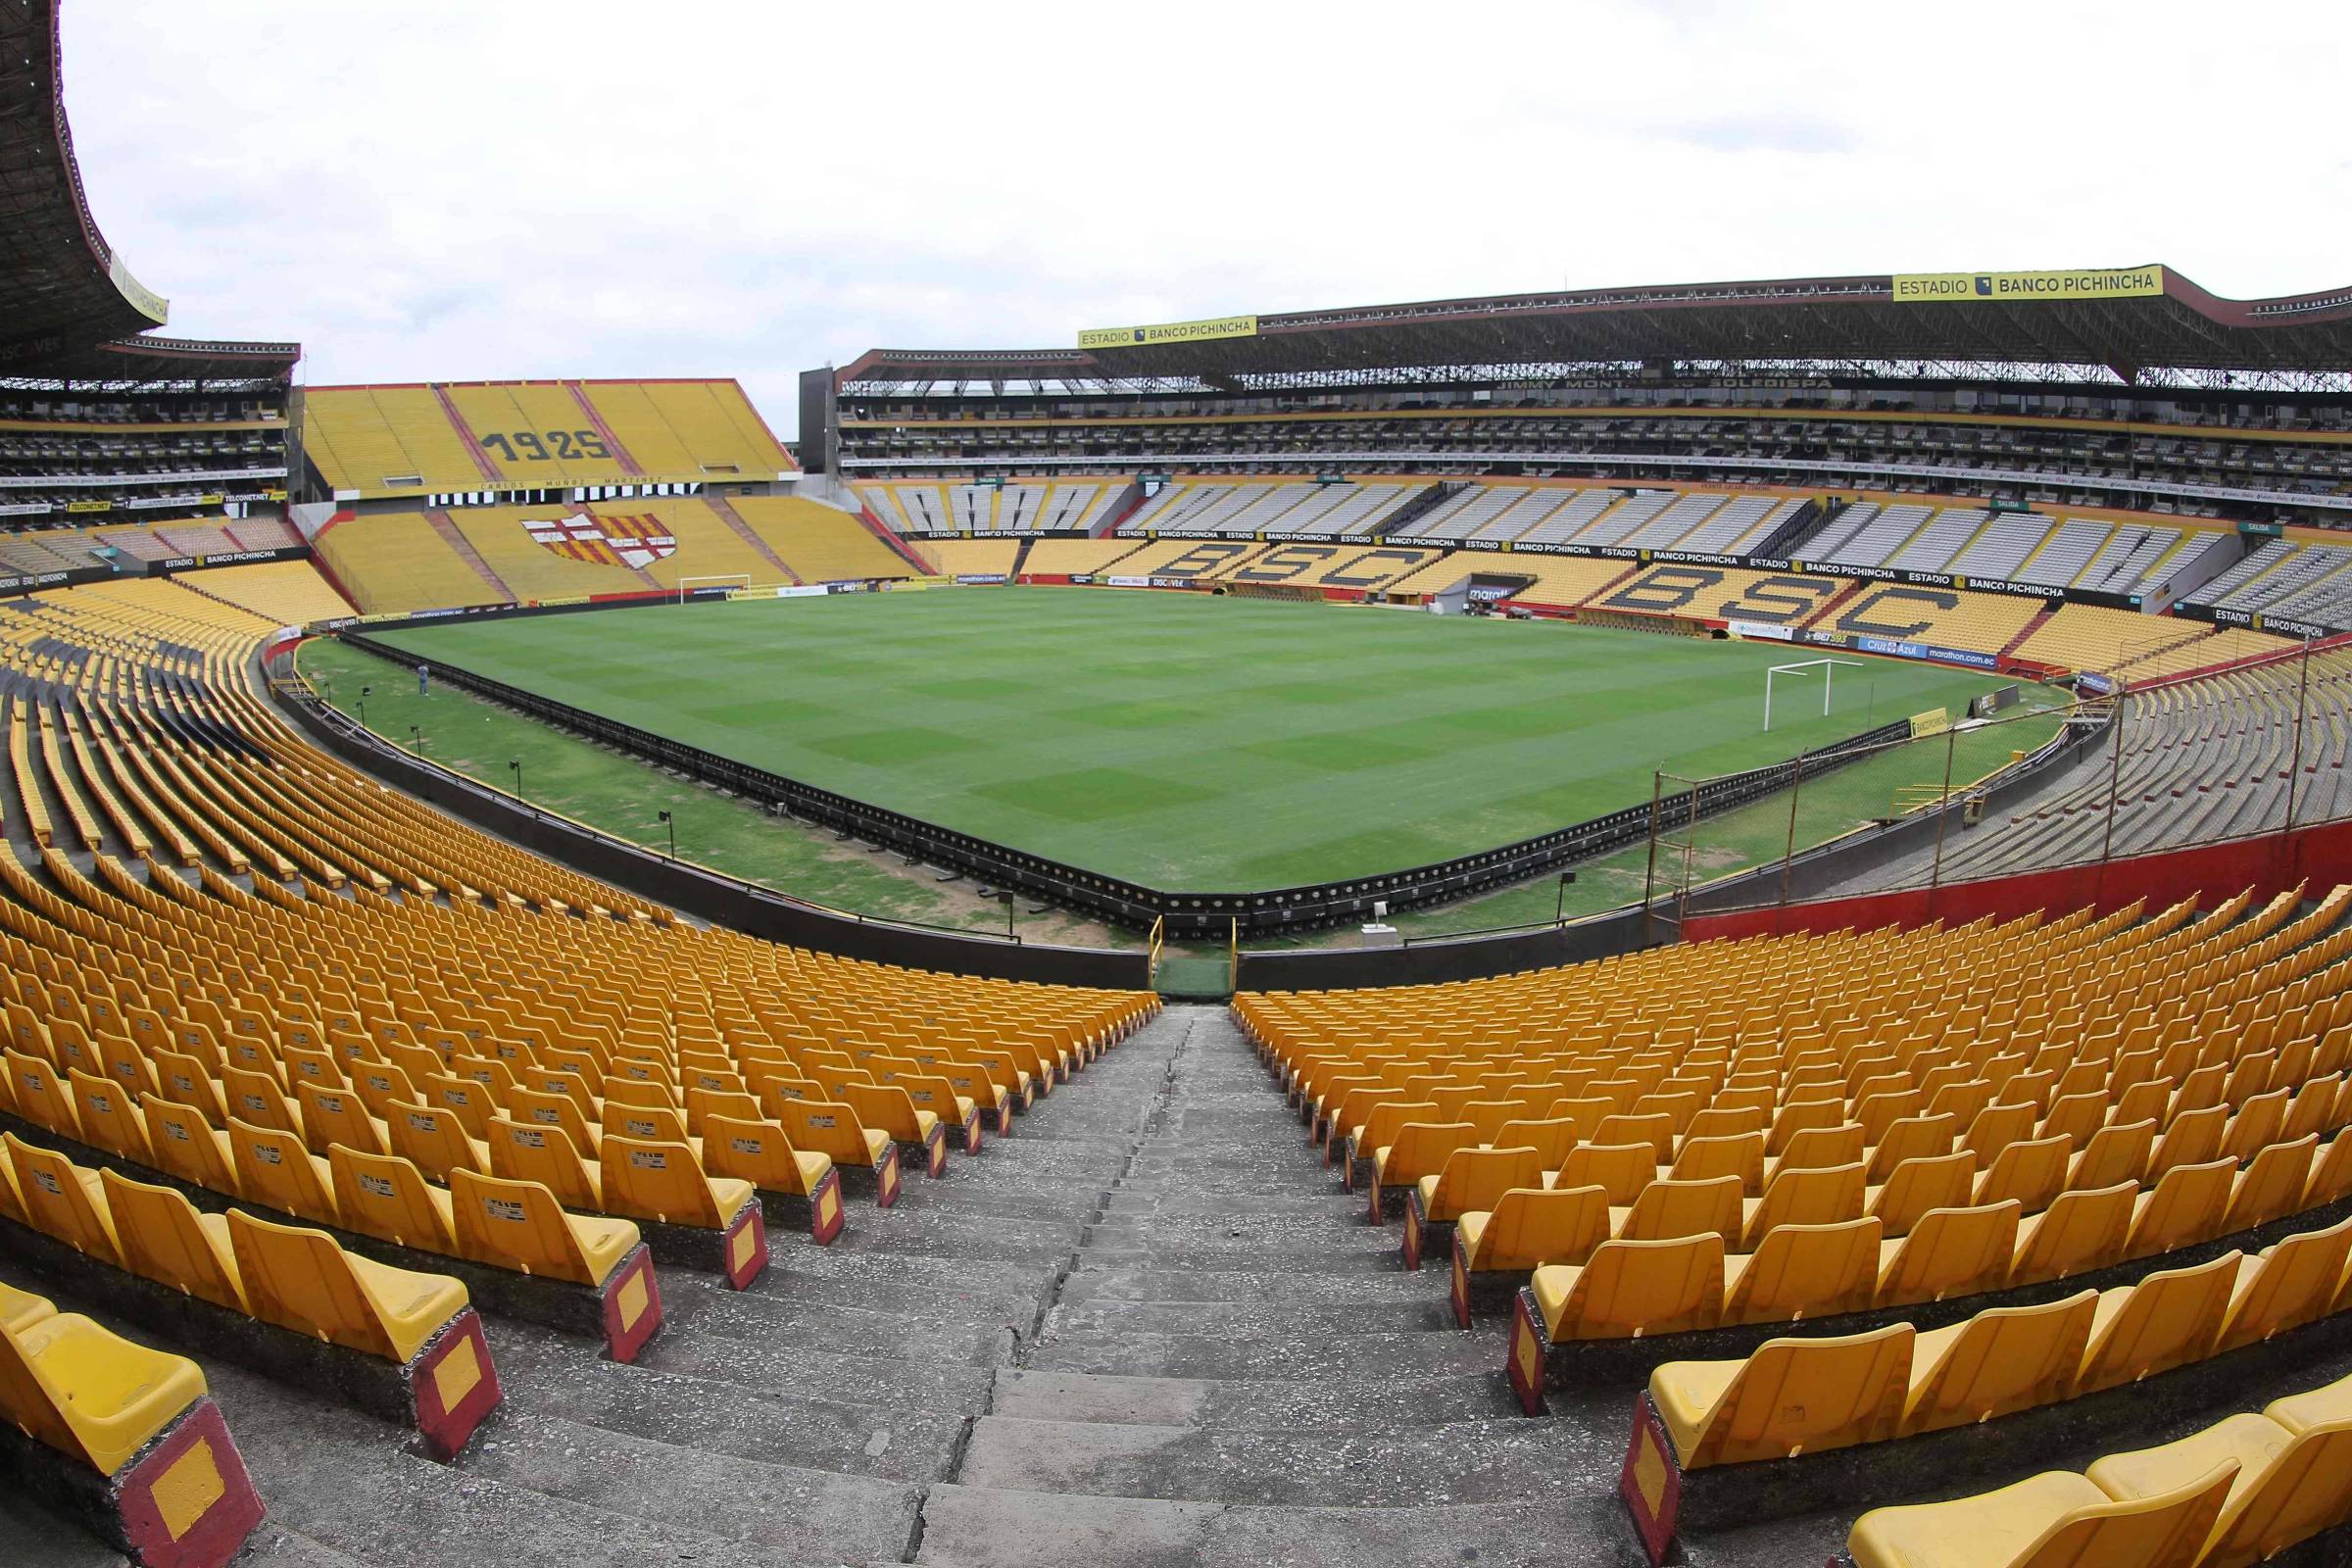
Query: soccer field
(1187, 742)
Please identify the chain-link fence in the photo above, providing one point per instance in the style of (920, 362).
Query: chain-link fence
(2186, 759)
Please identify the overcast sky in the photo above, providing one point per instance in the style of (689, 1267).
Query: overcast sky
(454, 190)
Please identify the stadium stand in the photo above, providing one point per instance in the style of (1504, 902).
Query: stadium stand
(822, 544)
(467, 438)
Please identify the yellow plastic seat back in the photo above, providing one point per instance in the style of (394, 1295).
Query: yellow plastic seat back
(2002, 1360)
(276, 1170)
(1670, 1208)
(2166, 1531)
(1550, 1137)
(831, 1128)
(386, 1197)
(2032, 1170)
(301, 1280)
(186, 1146)
(2289, 1285)
(544, 1155)
(165, 1240)
(2292, 1484)
(2115, 1153)
(1790, 1397)
(2271, 1185)
(63, 1200)
(1952, 1252)
(1922, 1183)
(1805, 1271)
(2185, 1205)
(434, 1138)
(1531, 1226)
(2083, 1230)
(333, 1114)
(2170, 1318)
(40, 1095)
(519, 1225)
(756, 1151)
(1620, 1170)
(1827, 1194)
(1635, 1289)
(110, 1118)
(666, 1182)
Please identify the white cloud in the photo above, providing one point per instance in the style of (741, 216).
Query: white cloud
(433, 189)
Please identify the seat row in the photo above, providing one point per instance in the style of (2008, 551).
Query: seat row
(2237, 1492)
(297, 1279)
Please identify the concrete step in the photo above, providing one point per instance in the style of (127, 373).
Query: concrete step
(794, 1328)
(942, 1386)
(1211, 1355)
(273, 1546)
(901, 1443)
(1259, 1318)
(1512, 1459)
(810, 1515)
(980, 1527)
(1079, 1397)
(1093, 1280)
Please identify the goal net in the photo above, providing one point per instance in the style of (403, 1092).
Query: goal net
(1803, 669)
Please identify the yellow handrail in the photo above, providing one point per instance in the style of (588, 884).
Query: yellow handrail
(1159, 941)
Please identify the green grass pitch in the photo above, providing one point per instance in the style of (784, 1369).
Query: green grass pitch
(1187, 742)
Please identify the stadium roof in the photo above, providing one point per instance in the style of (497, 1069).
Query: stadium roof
(64, 292)
(2154, 326)
(61, 287)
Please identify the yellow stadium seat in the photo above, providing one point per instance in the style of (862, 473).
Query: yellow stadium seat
(2271, 1187)
(519, 1225)
(89, 1392)
(756, 1151)
(545, 1155)
(1532, 1226)
(1620, 1170)
(63, 1200)
(2286, 1285)
(2081, 1232)
(2185, 1205)
(2290, 1485)
(665, 1182)
(1786, 1396)
(1804, 1271)
(2031, 1171)
(165, 1240)
(1475, 1179)
(1669, 1208)
(1737, 1154)
(187, 1147)
(385, 1196)
(1950, 1252)
(2002, 1360)
(2170, 1318)
(274, 1168)
(22, 1309)
(110, 1118)
(1919, 1184)
(1633, 1289)
(2053, 1520)
(435, 1140)
(1421, 1149)
(1827, 1195)
(2115, 1153)
(301, 1280)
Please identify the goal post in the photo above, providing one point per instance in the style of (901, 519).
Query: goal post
(741, 579)
(1802, 666)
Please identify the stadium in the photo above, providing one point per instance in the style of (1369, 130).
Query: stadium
(1701, 923)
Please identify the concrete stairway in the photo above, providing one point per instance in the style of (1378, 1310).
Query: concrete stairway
(1144, 1329)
